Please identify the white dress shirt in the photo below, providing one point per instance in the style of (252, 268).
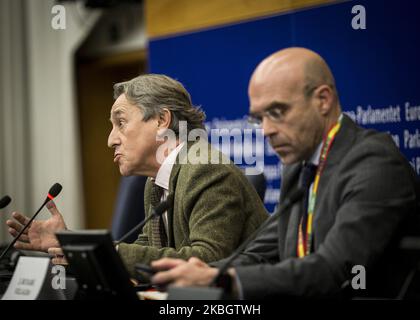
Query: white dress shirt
(164, 174)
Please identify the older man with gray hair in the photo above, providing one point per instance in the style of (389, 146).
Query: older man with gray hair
(214, 206)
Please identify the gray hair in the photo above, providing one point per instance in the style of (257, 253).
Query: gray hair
(154, 92)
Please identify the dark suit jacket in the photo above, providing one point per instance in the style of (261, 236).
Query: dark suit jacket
(366, 195)
(215, 208)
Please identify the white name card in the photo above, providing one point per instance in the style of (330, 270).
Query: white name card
(28, 279)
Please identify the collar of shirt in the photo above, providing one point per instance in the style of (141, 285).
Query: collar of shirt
(164, 174)
(315, 156)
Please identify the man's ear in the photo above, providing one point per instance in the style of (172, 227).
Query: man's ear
(165, 118)
(325, 96)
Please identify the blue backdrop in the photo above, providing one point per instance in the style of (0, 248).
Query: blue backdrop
(375, 69)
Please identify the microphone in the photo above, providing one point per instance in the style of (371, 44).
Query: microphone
(286, 204)
(158, 211)
(52, 193)
(4, 202)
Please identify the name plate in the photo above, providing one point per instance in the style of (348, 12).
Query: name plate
(28, 279)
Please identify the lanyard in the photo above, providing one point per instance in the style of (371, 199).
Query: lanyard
(304, 243)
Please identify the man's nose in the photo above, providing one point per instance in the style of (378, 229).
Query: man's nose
(113, 139)
(268, 127)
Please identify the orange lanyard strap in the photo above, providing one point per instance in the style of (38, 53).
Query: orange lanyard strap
(304, 243)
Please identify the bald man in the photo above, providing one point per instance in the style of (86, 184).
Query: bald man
(359, 192)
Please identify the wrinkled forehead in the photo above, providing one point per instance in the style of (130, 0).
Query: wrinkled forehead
(122, 106)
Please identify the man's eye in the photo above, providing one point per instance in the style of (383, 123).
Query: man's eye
(275, 113)
(254, 119)
(121, 123)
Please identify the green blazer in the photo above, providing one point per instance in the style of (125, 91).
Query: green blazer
(215, 208)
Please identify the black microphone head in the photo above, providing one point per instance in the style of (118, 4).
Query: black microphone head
(164, 205)
(4, 202)
(54, 190)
